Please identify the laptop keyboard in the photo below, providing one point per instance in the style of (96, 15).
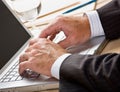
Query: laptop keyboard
(12, 74)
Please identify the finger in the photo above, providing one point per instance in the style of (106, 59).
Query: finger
(23, 66)
(53, 35)
(50, 30)
(64, 43)
(23, 57)
(32, 41)
(29, 49)
(40, 44)
(27, 55)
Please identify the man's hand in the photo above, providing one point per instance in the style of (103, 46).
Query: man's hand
(40, 56)
(76, 29)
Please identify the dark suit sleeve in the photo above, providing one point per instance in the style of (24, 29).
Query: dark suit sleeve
(110, 19)
(79, 73)
(99, 73)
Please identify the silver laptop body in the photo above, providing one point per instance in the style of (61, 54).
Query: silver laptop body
(14, 38)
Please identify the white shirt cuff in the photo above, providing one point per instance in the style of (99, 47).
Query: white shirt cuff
(95, 24)
(55, 70)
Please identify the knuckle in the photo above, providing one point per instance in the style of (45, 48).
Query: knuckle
(23, 57)
(60, 18)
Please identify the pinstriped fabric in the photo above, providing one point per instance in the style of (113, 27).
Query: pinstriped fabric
(110, 19)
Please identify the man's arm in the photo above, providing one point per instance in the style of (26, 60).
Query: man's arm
(110, 19)
(93, 73)
(97, 72)
(95, 22)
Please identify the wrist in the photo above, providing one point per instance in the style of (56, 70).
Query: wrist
(55, 69)
(87, 26)
(95, 24)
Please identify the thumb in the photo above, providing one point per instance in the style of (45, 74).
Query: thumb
(64, 43)
(50, 30)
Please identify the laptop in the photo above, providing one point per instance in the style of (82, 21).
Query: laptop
(14, 38)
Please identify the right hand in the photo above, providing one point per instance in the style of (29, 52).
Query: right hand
(75, 28)
(40, 56)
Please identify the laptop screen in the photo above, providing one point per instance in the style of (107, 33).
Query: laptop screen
(12, 35)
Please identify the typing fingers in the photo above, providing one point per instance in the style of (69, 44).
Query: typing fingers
(24, 66)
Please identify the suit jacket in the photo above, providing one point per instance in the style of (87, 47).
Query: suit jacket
(98, 73)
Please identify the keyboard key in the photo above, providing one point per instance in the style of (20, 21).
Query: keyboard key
(6, 80)
(13, 78)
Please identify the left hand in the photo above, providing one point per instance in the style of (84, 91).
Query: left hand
(40, 56)
(76, 29)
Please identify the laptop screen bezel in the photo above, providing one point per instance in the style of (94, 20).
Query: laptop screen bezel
(24, 45)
